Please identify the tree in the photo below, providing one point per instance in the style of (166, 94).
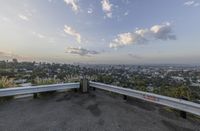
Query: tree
(15, 60)
(181, 91)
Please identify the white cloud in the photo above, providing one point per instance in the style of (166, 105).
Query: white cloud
(191, 3)
(122, 40)
(73, 4)
(162, 32)
(109, 15)
(196, 4)
(126, 13)
(188, 3)
(39, 35)
(81, 51)
(23, 17)
(90, 11)
(73, 33)
(159, 32)
(107, 7)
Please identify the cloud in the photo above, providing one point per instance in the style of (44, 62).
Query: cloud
(81, 51)
(23, 17)
(107, 8)
(156, 32)
(73, 4)
(191, 3)
(90, 11)
(188, 3)
(126, 13)
(38, 35)
(68, 30)
(123, 39)
(162, 32)
(196, 4)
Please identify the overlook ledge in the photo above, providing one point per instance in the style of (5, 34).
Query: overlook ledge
(96, 110)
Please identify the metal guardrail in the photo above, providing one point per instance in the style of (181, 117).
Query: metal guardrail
(37, 89)
(179, 104)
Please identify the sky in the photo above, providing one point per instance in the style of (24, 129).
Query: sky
(101, 31)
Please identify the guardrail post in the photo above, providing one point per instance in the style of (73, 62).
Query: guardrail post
(84, 86)
(124, 97)
(35, 95)
(75, 90)
(183, 114)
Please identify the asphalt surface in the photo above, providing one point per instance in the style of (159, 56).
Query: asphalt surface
(94, 111)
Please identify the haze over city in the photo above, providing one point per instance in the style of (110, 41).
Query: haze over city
(101, 31)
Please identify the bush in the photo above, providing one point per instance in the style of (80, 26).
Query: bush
(46, 81)
(5, 82)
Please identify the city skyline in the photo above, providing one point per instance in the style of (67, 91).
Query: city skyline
(103, 31)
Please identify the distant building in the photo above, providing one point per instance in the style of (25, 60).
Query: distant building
(178, 78)
(150, 88)
(195, 84)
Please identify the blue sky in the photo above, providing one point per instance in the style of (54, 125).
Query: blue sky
(101, 31)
